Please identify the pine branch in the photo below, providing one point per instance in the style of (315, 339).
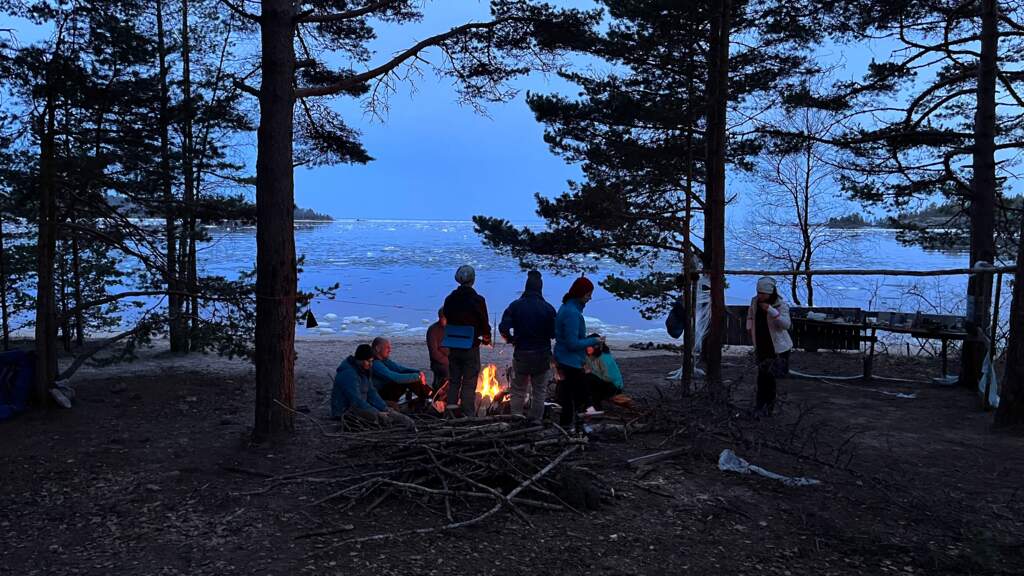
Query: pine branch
(309, 17)
(397, 61)
(241, 12)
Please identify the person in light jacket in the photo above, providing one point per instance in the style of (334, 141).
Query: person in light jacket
(571, 343)
(768, 323)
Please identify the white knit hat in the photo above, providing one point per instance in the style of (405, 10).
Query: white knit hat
(465, 274)
(765, 285)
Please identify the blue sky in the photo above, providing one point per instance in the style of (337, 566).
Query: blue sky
(435, 158)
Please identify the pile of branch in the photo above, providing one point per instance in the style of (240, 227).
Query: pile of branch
(465, 471)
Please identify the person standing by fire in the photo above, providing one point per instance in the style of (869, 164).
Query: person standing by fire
(467, 328)
(571, 344)
(529, 325)
(438, 353)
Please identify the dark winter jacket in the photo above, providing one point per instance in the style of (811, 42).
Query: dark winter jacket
(464, 307)
(529, 323)
(354, 390)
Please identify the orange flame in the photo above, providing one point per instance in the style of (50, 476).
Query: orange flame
(487, 385)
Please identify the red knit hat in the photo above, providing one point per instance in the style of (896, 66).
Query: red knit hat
(580, 288)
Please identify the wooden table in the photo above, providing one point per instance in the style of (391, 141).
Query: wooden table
(924, 334)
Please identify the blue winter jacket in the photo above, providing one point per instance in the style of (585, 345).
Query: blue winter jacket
(529, 323)
(353, 390)
(385, 371)
(571, 335)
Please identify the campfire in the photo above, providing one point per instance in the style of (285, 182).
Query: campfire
(490, 392)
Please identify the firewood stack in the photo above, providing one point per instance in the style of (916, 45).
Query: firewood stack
(464, 470)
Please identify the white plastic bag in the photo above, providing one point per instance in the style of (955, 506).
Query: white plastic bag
(728, 461)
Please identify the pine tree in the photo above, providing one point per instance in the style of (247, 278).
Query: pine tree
(292, 93)
(652, 134)
(959, 69)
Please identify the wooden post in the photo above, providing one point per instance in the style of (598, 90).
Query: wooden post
(869, 361)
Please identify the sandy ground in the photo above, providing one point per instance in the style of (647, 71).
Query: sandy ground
(142, 477)
(317, 360)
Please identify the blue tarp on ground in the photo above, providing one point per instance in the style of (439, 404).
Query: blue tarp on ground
(16, 370)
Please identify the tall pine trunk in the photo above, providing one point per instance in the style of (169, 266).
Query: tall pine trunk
(46, 316)
(686, 378)
(714, 209)
(177, 329)
(5, 325)
(275, 238)
(76, 274)
(65, 280)
(983, 199)
(188, 175)
(1011, 390)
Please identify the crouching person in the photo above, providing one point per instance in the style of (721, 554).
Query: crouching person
(604, 379)
(393, 380)
(354, 394)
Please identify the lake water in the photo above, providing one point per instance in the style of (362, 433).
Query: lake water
(395, 274)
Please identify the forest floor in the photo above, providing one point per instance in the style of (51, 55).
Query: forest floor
(144, 476)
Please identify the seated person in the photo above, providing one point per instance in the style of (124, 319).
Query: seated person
(353, 392)
(603, 377)
(393, 380)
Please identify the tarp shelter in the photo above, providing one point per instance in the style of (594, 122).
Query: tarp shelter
(17, 368)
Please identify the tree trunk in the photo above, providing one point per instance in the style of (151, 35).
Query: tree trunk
(65, 279)
(177, 330)
(1011, 390)
(793, 283)
(983, 199)
(46, 316)
(188, 173)
(4, 319)
(714, 209)
(76, 274)
(275, 238)
(686, 378)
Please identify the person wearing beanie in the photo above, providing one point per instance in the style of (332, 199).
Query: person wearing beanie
(466, 312)
(354, 393)
(529, 325)
(768, 323)
(571, 342)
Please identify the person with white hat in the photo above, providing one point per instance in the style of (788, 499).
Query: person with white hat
(768, 323)
(466, 329)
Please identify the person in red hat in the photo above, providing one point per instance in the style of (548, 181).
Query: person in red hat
(571, 342)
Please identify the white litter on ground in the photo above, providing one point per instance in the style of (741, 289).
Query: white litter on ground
(728, 461)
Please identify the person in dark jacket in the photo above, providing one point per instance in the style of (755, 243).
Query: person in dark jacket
(529, 324)
(466, 309)
(354, 393)
(438, 353)
(391, 379)
(571, 342)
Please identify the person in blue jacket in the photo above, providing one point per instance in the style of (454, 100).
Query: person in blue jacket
(571, 342)
(393, 380)
(529, 324)
(354, 393)
(604, 379)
